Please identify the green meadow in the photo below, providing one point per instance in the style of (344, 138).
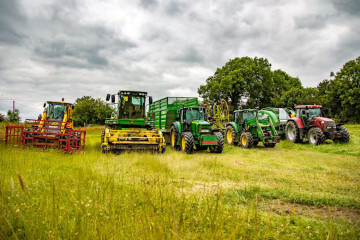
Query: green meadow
(293, 191)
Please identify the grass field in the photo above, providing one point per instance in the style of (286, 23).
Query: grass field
(294, 191)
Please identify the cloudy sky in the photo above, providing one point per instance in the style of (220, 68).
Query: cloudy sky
(51, 49)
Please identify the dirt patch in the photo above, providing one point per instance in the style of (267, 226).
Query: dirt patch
(324, 212)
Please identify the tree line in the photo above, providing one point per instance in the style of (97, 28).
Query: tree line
(250, 82)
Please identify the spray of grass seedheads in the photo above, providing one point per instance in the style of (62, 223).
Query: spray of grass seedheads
(289, 191)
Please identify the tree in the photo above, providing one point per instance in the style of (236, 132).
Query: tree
(342, 94)
(89, 110)
(284, 84)
(248, 82)
(13, 116)
(2, 117)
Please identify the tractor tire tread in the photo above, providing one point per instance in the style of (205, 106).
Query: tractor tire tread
(220, 143)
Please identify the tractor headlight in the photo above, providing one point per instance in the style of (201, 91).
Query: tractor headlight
(205, 130)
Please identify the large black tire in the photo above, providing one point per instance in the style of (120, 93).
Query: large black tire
(230, 135)
(269, 145)
(220, 143)
(316, 136)
(345, 135)
(292, 132)
(102, 136)
(246, 140)
(187, 142)
(174, 135)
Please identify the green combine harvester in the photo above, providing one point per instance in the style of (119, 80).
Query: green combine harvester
(251, 127)
(126, 127)
(282, 115)
(181, 120)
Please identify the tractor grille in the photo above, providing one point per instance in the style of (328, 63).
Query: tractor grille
(329, 126)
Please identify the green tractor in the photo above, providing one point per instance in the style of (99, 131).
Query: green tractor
(249, 128)
(182, 122)
(126, 127)
(282, 115)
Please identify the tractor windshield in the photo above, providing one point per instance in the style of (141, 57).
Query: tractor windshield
(194, 114)
(315, 112)
(57, 111)
(248, 116)
(132, 107)
(283, 114)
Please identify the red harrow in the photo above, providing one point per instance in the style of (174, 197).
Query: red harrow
(46, 134)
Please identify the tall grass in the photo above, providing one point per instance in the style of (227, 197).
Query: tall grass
(287, 192)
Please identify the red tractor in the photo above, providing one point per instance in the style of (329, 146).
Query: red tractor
(309, 122)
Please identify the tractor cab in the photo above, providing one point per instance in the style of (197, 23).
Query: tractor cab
(58, 110)
(311, 115)
(243, 117)
(193, 116)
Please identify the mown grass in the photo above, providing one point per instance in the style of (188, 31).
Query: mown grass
(291, 191)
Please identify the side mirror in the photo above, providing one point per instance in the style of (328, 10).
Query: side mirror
(107, 97)
(178, 111)
(44, 104)
(150, 100)
(113, 98)
(72, 107)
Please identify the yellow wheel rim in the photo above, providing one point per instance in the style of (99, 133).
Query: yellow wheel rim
(243, 140)
(173, 138)
(229, 136)
(183, 143)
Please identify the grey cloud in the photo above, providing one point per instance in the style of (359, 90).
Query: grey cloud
(10, 21)
(347, 6)
(311, 21)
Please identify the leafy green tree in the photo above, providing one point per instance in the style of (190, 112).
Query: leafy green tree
(342, 94)
(2, 117)
(249, 82)
(89, 110)
(13, 116)
(242, 81)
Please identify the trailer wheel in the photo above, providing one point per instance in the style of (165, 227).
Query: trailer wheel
(292, 132)
(220, 143)
(102, 136)
(187, 142)
(345, 135)
(316, 136)
(174, 135)
(246, 140)
(104, 149)
(230, 134)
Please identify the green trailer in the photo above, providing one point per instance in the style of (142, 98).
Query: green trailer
(182, 123)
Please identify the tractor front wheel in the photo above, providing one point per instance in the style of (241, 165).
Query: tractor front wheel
(246, 140)
(174, 135)
(220, 143)
(316, 136)
(230, 134)
(187, 142)
(292, 132)
(345, 135)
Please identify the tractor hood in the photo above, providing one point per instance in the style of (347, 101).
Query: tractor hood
(201, 122)
(322, 119)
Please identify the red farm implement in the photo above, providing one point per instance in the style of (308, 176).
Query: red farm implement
(46, 134)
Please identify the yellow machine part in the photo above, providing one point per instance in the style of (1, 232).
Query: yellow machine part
(65, 124)
(133, 139)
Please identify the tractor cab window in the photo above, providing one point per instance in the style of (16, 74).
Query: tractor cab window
(132, 107)
(248, 116)
(57, 111)
(194, 114)
(315, 112)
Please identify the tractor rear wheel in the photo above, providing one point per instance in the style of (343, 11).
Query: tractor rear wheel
(292, 132)
(316, 136)
(174, 135)
(269, 145)
(187, 142)
(230, 134)
(220, 143)
(246, 140)
(345, 135)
